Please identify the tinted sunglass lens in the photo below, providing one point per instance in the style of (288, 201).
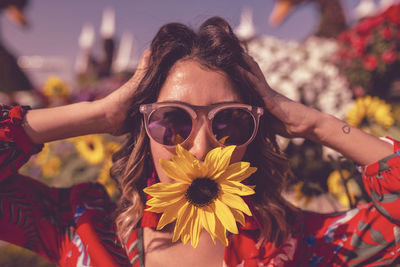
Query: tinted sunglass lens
(233, 126)
(170, 125)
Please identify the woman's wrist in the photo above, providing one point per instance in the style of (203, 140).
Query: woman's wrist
(322, 129)
(112, 114)
(350, 141)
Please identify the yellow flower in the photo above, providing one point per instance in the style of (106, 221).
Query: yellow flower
(367, 108)
(51, 167)
(300, 196)
(55, 87)
(42, 157)
(110, 148)
(336, 187)
(90, 147)
(205, 195)
(106, 180)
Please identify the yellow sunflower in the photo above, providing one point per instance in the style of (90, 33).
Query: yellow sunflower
(370, 108)
(336, 187)
(55, 87)
(206, 195)
(300, 197)
(106, 180)
(51, 167)
(90, 147)
(43, 156)
(110, 148)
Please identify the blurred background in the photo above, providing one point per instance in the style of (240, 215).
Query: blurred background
(339, 56)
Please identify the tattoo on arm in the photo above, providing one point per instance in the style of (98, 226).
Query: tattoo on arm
(346, 129)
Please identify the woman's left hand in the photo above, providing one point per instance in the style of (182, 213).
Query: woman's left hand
(294, 119)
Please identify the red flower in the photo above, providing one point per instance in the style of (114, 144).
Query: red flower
(344, 37)
(358, 91)
(368, 24)
(360, 44)
(386, 33)
(389, 56)
(393, 14)
(371, 62)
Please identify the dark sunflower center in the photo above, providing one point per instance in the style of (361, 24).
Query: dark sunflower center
(91, 146)
(202, 191)
(365, 122)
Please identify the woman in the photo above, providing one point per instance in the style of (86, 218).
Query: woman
(201, 74)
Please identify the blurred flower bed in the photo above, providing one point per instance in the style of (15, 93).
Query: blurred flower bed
(67, 162)
(306, 72)
(336, 76)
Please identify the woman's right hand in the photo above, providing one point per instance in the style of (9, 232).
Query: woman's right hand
(117, 104)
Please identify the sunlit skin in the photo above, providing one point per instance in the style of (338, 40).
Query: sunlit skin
(192, 83)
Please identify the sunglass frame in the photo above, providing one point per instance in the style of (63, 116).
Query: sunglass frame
(211, 110)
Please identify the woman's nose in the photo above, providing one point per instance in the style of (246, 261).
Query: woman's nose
(202, 142)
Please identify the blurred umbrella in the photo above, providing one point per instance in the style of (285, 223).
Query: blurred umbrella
(12, 78)
(332, 18)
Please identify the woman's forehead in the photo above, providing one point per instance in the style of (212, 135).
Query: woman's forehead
(189, 81)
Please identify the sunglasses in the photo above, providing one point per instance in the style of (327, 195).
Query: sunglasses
(172, 123)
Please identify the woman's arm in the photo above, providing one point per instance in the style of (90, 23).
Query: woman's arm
(102, 116)
(49, 124)
(298, 120)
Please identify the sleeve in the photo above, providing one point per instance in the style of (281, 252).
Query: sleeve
(15, 146)
(32, 215)
(382, 183)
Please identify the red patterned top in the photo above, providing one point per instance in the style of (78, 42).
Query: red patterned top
(74, 226)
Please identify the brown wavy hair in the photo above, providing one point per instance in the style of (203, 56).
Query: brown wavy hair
(216, 47)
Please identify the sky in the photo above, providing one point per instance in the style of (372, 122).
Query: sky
(55, 25)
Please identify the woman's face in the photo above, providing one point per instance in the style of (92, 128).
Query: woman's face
(194, 84)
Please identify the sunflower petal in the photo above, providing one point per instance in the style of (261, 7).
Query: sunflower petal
(155, 202)
(195, 228)
(161, 190)
(155, 209)
(218, 159)
(170, 214)
(184, 216)
(235, 202)
(237, 172)
(185, 166)
(210, 218)
(183, 153)
(205, 223)
(185, 238)
(173, 171)
(239, 216)
(236, 188)
(220, 232)
(225, 215)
